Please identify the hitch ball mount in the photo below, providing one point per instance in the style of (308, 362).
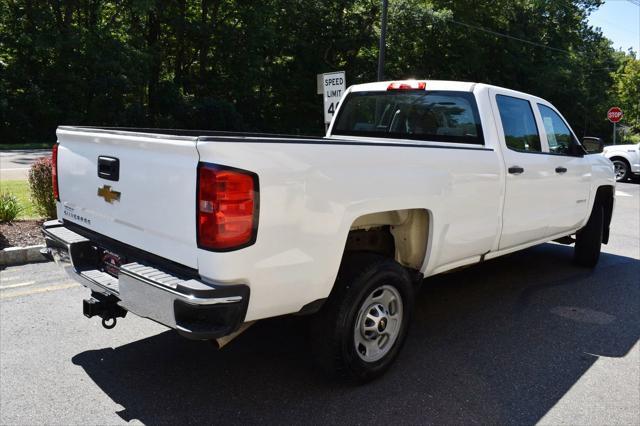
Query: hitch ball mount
(106, 307)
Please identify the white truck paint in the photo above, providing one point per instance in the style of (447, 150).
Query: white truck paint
(448, 204)
(625, 158)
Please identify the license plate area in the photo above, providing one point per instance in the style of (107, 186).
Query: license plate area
(110, 262)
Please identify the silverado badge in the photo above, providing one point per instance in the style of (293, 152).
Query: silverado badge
(108, 195)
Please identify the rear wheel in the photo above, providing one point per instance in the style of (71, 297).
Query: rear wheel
(589, 239)
(361, 328)
(621, 169)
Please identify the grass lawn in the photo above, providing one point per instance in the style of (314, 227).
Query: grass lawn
(20, 188)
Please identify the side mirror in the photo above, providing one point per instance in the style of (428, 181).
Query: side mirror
(593, 145)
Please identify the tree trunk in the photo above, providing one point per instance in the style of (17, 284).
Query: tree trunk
(178, 71)
(153, 32)
(204, 40)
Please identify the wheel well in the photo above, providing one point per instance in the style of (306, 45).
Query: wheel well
(604, 197)
(400, 234)
(617, 157)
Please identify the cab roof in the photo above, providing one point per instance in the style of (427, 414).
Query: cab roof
(459, 86)
(454, 86)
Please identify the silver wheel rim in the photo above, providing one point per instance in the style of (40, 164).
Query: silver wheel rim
(620, 169)
(378, 323)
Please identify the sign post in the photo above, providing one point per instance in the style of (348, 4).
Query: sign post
(614, 115)
(332, 86)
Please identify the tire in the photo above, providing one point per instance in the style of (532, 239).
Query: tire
(621, 169)
(363, 325)
(589, 239)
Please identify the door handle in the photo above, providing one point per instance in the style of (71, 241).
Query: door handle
(516, 170)
(561, 169)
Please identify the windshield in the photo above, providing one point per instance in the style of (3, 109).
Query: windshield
(443, 116)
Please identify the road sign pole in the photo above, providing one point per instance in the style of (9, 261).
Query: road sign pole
(383, 40)
(614, 115)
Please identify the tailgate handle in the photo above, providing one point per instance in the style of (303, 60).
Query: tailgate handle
(109, 168)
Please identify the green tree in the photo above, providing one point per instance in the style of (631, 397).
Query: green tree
(627, 90)
(245, 65)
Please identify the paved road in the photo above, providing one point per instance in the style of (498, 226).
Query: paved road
(522, 339)
(14, 164)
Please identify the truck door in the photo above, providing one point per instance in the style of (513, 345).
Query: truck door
(527, 203)
(570, 172)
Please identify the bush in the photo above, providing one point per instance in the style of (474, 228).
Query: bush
(9, 207)
(41, 187)
(632, 138)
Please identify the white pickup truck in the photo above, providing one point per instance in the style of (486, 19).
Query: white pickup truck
(625, 159)
(207, 231)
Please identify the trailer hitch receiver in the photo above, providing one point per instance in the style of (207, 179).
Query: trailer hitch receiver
(106, 307)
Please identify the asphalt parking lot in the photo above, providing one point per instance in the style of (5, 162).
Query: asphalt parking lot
(14, 164)
(526, 338)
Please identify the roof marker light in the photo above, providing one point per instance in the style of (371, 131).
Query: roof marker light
(407, 85)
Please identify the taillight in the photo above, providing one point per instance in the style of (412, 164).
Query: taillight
(407, 85)
(227, 209)
(54, 172)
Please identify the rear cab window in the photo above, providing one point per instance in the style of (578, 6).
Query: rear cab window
(519, 124)
(440, 116)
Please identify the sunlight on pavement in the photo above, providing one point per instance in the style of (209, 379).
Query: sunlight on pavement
(607, 388)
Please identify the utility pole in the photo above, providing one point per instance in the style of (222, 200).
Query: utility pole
(383, 40)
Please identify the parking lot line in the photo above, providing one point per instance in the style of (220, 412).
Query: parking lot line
(17, 285)
(10, 278)
(38, 290)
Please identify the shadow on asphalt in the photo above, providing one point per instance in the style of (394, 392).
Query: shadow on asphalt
(633, 179)
(494, 343)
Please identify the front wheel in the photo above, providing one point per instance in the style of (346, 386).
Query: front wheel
(589, 239)
(361, 328)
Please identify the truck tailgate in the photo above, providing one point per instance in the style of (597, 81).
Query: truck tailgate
(151, 202)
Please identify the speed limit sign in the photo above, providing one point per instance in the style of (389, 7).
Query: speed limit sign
(333, 86)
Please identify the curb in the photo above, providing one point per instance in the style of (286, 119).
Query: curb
(20, 255)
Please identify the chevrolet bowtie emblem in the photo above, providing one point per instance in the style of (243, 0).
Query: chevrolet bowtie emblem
(108, 195)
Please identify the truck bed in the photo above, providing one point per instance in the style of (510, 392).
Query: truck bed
(188, 134)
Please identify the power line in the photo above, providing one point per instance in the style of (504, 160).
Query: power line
(496, 33)
(533, 43)
(499, 34)
(624, 30)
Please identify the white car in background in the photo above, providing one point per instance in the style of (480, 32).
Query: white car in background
(625, 159)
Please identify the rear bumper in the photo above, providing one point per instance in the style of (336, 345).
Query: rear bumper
(182, 301)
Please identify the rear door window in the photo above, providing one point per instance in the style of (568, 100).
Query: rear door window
(519, 124)
(442, 116)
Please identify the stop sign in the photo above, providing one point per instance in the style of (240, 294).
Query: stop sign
(614, 114)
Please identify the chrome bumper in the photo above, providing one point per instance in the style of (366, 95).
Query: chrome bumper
(196, 309)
